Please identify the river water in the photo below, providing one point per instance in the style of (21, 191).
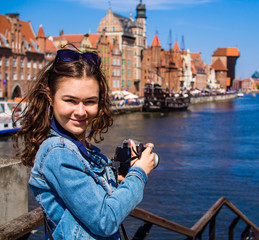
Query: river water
(209, 151)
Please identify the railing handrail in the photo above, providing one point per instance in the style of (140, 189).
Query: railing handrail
(27, 222)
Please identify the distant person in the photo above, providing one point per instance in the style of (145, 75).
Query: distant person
(72, 181)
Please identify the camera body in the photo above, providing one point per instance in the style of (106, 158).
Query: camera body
(122, 157)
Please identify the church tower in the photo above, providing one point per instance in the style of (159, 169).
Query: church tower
(141, 18)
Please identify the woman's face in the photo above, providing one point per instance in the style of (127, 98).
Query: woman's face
(75, 104)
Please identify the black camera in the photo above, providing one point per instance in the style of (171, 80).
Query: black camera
(122, 157)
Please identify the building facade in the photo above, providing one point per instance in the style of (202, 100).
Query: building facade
(224, 61)
(20, 56)
(130, 35)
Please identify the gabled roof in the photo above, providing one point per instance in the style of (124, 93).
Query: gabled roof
(72, 38)
(50, 45)
(155, 42)
(195, 55)
(94, 39)
(5, 25)
(229, 52)
(127, 24)
(41, 33)
(176, 47)
(219, 66)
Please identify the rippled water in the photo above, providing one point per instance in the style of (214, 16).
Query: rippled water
(209, 151)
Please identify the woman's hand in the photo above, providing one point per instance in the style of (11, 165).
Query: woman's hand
(146, 160)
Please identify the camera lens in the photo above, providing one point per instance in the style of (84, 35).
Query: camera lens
(156, 160)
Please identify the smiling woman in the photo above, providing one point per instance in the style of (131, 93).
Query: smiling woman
(74, 108)
(71, 179)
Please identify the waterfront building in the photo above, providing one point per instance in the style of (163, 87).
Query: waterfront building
(175, 69)
(160, 66)
(224, 61)
(248, 84)
(130, 35)
(21, 58)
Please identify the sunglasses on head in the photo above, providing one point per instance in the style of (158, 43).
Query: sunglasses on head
(68, 55)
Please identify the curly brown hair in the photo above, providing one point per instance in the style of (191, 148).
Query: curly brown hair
(35, 121)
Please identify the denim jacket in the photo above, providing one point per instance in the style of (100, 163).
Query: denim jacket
(78, 193)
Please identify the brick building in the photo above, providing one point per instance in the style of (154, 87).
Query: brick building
(224, 61)
(248, 84)
(130, 36)
(174, 69)
(160, 66)
(20, 56)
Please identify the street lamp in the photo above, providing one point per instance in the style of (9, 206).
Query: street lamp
(5, 84)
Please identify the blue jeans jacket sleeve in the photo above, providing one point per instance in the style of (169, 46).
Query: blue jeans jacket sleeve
(69, 175)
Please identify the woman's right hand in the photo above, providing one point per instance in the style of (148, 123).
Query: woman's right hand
(146, 161)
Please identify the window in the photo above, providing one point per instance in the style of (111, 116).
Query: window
(6, 62)
(21, 63)
(118, 83)
(14, 76)
(128, 62)
(128, 84)
(34, 65)
(123, 72)
(21, 76)
(113, 29)
(113, 72)
(116, 51)
(0, 60)
(28, 64)
(123, 83)
(114, 83)
(118, 72)
(118, 62)
(129, 73)
(28, 76)
(14, 63)
(123, 62)
(114, 61)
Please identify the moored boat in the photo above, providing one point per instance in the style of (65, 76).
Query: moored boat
(156, 99)
(6, 110)
(240, 94)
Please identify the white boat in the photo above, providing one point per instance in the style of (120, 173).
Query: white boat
(240, 94)
(6, 110)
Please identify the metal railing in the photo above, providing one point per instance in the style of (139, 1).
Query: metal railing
(23, 225)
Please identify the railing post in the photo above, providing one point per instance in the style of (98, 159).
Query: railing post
(255, 234)
(231, 228)
(212, 228)
(246, 232)
(143, 231)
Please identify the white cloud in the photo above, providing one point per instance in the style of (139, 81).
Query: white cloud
(130, 5)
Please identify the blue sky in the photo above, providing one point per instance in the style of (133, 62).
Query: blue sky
(205, 24)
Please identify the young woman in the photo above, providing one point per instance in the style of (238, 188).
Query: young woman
(70, 178)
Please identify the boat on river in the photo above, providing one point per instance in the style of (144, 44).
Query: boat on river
(6, 111)
(156, 99)
(240, 94)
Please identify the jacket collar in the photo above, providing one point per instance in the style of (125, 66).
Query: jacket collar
(66, 134)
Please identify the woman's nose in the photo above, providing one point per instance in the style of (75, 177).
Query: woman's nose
(80, 109)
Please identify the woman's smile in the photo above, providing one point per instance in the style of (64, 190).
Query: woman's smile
(75, 107)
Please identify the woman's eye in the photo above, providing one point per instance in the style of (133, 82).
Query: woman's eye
(70, 101)
(89, 102)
